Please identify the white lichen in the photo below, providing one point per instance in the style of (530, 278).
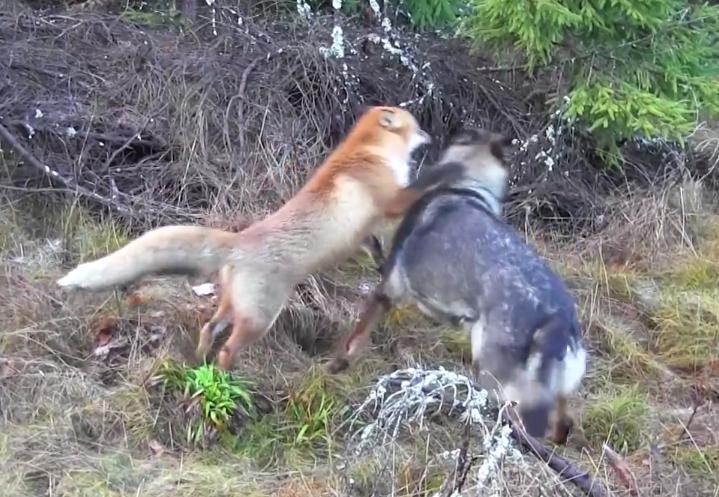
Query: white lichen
(337, 49)
(411, 396)
(304, 9)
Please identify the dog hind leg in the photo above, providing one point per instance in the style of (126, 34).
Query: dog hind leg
(563, 421)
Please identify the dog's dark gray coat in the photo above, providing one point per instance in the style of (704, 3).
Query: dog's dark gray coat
(462, 263)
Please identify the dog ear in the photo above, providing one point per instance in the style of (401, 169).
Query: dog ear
(389, 119)
(466, 136)
(501, 139)
(497, 142)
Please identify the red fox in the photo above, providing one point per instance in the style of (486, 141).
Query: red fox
(364, 180)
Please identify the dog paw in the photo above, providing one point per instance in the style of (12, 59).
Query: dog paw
(337, 365)
(562, 429)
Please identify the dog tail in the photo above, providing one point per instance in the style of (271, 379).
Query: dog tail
(166, 250)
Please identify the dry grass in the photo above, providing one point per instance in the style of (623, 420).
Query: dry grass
(77, 424)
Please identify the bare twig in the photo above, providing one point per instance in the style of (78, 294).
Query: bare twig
(564, 468)
(464, 464)
(53, 174)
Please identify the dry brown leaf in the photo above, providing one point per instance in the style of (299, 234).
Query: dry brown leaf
(136, 298)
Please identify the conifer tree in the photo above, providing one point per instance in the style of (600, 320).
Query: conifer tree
(636, 68)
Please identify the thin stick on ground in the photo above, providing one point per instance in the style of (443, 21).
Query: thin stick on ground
(564, 468)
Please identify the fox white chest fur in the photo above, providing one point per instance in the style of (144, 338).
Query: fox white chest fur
(400, 170)
(344, 223)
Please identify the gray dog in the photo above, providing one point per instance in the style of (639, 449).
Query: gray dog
(456, 258)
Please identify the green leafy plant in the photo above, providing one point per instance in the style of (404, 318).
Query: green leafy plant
(635, 68)
(218, 394)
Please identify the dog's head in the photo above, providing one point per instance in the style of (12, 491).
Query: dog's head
(481, 152)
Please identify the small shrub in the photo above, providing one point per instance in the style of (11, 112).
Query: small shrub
(432, 14)
(420, 14)
(618, 417)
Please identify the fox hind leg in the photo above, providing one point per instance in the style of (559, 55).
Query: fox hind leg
(220, 319)
(245, 331)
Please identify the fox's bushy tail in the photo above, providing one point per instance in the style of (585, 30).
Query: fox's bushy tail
(166, 250)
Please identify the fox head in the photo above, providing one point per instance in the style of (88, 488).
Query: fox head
(392, 134)
(392, 124)
(481, 153)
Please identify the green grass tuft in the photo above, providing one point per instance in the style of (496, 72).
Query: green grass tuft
(301, 428)
(313, 409)
(686, 328)
(458, 343)
(630, 359)
(617, 417)
(696, 273)
(219, 395)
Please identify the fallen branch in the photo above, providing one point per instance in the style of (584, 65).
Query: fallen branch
(564, 468)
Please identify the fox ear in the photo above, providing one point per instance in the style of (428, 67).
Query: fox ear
(389, 119)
